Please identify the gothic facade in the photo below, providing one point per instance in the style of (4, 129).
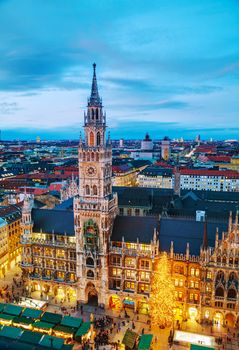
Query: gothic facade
(87, 253)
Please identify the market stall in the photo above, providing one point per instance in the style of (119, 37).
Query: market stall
(50, 317)
(64, 331)
(83, 332)
(23, 322)
(42, 327)
(129, 339)
(51, 342)
(6, 320)
(145, 342)
(29, 337)
(32, 313)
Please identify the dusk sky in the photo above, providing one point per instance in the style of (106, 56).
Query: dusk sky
(166, 67)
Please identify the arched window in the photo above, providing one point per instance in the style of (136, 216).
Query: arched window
(84, 156)
(92, 114)
(219, 259)
(220, 275)
(87, 189)
(219, 292)
(230, 261)
(95, 190)
(92, 156)
(224, 260)
(231, 294)
(90, 274)
(88, 157)
(97, 157)
(89, 261)
(97, 114)
(98, 138)
(92, 139)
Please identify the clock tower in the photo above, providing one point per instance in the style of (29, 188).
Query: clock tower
(96, 206)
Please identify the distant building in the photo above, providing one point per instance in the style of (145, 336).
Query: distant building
(121, 143)
(165, 148)
(147, 143)
(209, 180)
(156, 177)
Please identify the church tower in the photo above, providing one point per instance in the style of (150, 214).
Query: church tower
(95, 207)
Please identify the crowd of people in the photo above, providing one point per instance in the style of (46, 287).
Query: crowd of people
(103, 322)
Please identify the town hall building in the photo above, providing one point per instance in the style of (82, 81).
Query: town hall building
(85, 251)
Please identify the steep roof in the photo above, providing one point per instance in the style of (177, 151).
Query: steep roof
(53, 220)
(133, 227)
(183, 230)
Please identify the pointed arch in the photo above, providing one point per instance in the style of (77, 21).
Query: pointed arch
(95, 190)
(87, 190)
(92, 138)
(98, 138)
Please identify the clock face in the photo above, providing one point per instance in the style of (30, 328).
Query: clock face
(91, 170)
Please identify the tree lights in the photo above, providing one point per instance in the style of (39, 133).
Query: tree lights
(162, 296)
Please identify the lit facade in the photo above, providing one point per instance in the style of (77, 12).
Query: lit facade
(90, 254)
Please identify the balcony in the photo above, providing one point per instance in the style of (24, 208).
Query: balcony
(26, 264)
(53, 243)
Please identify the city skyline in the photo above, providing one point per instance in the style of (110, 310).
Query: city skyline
(174, 71)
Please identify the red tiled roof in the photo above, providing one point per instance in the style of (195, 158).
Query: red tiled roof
(224, 159)
(207, 172)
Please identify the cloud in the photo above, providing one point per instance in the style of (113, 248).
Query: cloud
(9, 108)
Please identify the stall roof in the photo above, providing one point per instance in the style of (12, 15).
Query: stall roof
(6, 317)
(31, 337)
(23, 320)
(199, 347)
(2, 306)
(51, 342)
(43, 325)
(51, 317)
(129, 339)
(33, 313)
(13, 309)
(145, 341)
(65, 329)
(84, 328)
(71, 321)
(10, 332)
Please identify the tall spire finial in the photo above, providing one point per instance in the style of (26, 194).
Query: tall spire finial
(94, 99)
(205, 238)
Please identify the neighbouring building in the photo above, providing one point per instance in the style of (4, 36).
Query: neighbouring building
(156, 177)
(209, 180)
(165, 148)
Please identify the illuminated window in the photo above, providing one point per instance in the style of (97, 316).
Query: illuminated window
(131, 246)
(180, 283)
(191, 296)
(129, 285)
(116, 272)
(196, 284)
(144, 276)
(197, 272)
(209, 274)
(130, 274)
(191, 284)
(176, 282)
(143, 288)
(92, 139)
(180, 295)
(192, 271)
(129, 211)
(130, 262)
(196, 297)
(145, 247)
(144, 264)
(208, 288)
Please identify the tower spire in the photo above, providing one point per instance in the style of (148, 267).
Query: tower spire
(94, 99)
(205, 238)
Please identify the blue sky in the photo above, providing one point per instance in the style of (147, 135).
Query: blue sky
(166, 67)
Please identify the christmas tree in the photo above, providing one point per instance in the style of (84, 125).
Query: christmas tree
(162, 296)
